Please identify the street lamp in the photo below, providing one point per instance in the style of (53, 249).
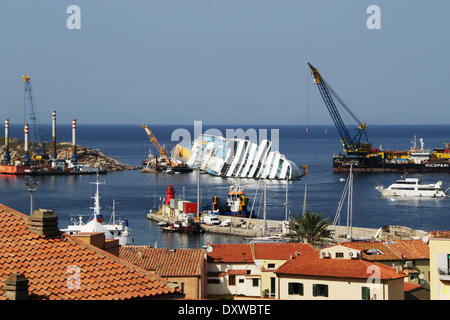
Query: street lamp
(31, 185)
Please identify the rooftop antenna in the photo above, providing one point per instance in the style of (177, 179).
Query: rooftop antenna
(31, 186)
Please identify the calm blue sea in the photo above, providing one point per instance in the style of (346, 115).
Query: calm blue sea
(138, 192)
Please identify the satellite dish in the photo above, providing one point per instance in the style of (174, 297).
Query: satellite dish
(421, 276)
(425, 239)
(209, 249)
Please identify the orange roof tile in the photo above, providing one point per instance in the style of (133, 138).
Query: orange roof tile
(230, 253)
(386, 252)
(281, 251)
(165, 262)
(339, 268)
(407, 286)
(247, 253)
(237, 272)
(392, 250)
(410, 249)
(48, 264)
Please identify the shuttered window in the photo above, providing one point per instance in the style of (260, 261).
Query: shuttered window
(365, 293)
(295, 288)
(320, 290)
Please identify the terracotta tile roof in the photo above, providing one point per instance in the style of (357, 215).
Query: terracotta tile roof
(165, 262)
(439, 234)
(237, 272)
(46, 262)
(339, 268)
(393, 250)
(410, 249)
(217, 274)
(281, 251)
(246, 253)
(231, 253)
(410, 286)
(386, 252)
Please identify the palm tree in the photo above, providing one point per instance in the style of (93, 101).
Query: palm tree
(310, 226)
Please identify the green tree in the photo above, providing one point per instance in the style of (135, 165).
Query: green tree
(310, 226)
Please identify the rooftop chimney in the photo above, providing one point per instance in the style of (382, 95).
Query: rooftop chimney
(16, 287)
(54, 155)
(6, 156)
(44, 222)
(74, 141)
(97, 239)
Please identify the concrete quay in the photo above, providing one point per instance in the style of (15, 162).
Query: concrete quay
(339, 233)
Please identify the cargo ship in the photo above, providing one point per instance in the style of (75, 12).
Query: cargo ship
(358, 151)
(415, 160)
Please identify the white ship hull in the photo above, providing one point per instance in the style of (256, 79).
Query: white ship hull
(239, 158)
(412, 188)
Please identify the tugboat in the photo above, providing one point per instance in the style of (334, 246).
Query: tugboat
(236, 204)
(115, 229)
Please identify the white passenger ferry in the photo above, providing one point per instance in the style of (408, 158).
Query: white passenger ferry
(412, 187)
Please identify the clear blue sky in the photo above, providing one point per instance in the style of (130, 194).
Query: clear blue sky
(225, 61)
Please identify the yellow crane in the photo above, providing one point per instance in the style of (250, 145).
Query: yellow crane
(162, 151)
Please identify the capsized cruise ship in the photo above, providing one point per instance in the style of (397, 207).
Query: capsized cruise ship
(237, 158)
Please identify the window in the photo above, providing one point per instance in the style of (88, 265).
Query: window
(448, 264)
(295, 288)
(339, 254)
(232, 280)
(213, 281)
(271, 266)
(320, 290)
(248, 271)
(255, 282)
(241, 280)
(182, 287)
(365, 293)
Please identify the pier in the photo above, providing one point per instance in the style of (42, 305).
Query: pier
(340, 233)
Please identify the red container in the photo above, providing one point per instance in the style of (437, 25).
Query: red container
(190, 207)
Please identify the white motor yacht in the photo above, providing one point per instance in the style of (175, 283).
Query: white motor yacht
(412, 187)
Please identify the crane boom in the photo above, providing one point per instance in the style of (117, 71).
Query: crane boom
(162, 151)
(31, 115)
(352, 145)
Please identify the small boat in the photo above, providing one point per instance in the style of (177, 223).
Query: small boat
(113, 230)
(269, 239)
(412, 187)
(169, 228)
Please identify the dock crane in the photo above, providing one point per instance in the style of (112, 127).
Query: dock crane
(31, 116)
(162, 151)
(353, 146)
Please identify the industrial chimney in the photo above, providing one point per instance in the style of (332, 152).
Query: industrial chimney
(54, 155)
(6, 157)
(26, 156)
(74, 144)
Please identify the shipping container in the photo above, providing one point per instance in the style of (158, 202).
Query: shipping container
(190, 207)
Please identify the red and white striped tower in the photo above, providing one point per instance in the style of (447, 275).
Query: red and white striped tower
(74, 141)
(54, 134)
(26, 157)
(7, 135)
(6, 156)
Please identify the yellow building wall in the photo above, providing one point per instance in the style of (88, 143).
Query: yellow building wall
(439, 288)
(267, 274)
(341, 288)
(191, 286)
